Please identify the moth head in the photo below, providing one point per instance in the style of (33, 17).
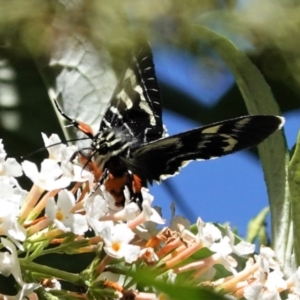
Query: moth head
(109, 143)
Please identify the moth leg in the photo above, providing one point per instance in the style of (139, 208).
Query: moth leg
(79, 152)
(104, 176)
(138, 199)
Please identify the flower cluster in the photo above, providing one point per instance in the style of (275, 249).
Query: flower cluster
(64, 213)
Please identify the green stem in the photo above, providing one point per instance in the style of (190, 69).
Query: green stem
(66, 248)
(48, 271)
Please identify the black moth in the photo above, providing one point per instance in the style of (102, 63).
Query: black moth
(130, 148)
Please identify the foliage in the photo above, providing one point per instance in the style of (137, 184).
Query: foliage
(72, 50)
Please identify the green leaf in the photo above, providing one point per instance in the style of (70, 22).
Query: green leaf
(273, 152)
(174, 291)
(294, 185)
(255, 225)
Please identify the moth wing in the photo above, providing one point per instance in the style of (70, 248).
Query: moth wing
(135, 107)
(164, 158)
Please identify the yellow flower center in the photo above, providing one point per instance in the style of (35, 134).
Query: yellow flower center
(59, 216)
(116, 246)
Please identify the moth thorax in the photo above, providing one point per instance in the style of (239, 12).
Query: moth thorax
(109, 143)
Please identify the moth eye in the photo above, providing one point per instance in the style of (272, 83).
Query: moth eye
(103, 149)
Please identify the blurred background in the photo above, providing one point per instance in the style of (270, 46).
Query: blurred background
(73, 50)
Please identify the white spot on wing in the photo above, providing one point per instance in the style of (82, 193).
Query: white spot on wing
(106, 123)
(230, 141)
(144, 105)
(213, 129)
(139, 89)
(241, 123)
(124, 97)
(185, 163)
(115, 111)
(130, 74)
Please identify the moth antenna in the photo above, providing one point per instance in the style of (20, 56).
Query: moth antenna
(62, 113)
(52, 145)
(86, 129)
(80, 152)
(89, 159)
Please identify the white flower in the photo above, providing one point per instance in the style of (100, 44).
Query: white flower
(294, 282)
(99, 226)
(293, 297)
(255, 291)
(149, 212)
(66, 165)
(50, 178)
(175, 221)
(8, 167)
(242, 248)
(116, 239)
(268, 254)
(267, 282)
(129, 212)
(266, 262)
(13, 229)
(275, 281)
(208, 233)
(11, 197)
(54, 146)
(82, 175)
(9, 263)
(73, 171)
(60, 214)
(223, 249)
(110, 200)
(148, 229)
(2, 151)
(95, 207)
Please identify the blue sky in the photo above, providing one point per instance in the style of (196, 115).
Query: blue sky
(230, 189)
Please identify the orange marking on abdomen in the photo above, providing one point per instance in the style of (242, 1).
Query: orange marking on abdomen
(92, 167)
(115, 186)
(136, 183)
